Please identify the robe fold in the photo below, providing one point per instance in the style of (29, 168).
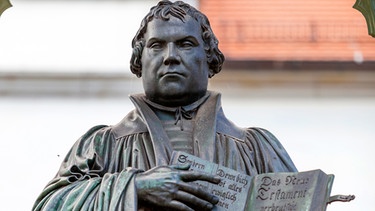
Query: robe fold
(99, 171)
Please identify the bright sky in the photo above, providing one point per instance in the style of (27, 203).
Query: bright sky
(70, 35)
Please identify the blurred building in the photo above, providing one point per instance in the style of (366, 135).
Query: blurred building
(64, 48)
(291, 33)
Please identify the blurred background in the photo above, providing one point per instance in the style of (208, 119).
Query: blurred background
(305, 70)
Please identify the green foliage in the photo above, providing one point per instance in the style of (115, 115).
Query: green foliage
(367, 8)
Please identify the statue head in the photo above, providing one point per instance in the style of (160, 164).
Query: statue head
(175, 52)
(164, 10)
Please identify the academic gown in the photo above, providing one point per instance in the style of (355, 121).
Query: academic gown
(98, 172)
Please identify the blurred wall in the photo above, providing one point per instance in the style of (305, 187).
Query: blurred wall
(290, 30)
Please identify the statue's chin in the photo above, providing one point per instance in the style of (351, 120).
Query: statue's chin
(175, 99)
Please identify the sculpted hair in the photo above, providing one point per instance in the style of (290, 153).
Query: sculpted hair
(164, 10)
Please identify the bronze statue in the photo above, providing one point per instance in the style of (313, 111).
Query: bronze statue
(127, 166)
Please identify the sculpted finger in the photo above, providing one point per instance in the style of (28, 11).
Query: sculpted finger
(176, 205)
(189, 176)
(197, 192)
(180, 166)
(194, 201)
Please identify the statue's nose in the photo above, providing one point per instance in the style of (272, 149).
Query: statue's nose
(172, 55)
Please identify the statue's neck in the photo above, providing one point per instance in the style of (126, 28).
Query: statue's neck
(176, 113)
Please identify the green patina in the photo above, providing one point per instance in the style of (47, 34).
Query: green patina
(367, 8)
(4, 4)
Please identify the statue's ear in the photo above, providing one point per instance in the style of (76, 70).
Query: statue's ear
(210, 73)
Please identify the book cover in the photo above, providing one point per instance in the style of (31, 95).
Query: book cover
(287, 191)
(308, 190)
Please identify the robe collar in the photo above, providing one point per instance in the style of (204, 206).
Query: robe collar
(209, 120)
(181, 112)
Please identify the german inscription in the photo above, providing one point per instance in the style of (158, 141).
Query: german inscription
(290, 191)
(233, 188)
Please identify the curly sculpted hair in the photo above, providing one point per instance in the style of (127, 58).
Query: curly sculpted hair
(164, 10)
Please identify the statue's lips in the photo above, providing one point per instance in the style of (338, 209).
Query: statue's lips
(172, 75)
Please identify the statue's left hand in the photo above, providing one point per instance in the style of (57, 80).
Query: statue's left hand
(168, 187)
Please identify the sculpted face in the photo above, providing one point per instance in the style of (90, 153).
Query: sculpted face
(174, 62)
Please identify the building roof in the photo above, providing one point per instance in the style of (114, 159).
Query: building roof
(290, 30)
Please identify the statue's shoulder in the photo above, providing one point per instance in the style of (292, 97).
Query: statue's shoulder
(132, 123)
(95, 129)
(264, 136)
(226, 126)
(261, 133)
(245, 134)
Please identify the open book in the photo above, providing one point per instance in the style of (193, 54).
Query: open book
(264, 192)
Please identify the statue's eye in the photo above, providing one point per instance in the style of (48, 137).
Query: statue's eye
(186, 44)
(156, 45)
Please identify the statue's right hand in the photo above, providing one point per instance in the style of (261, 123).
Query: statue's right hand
(168, 187)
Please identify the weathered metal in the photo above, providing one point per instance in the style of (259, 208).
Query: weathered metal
(4, 4)
(367, 8)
